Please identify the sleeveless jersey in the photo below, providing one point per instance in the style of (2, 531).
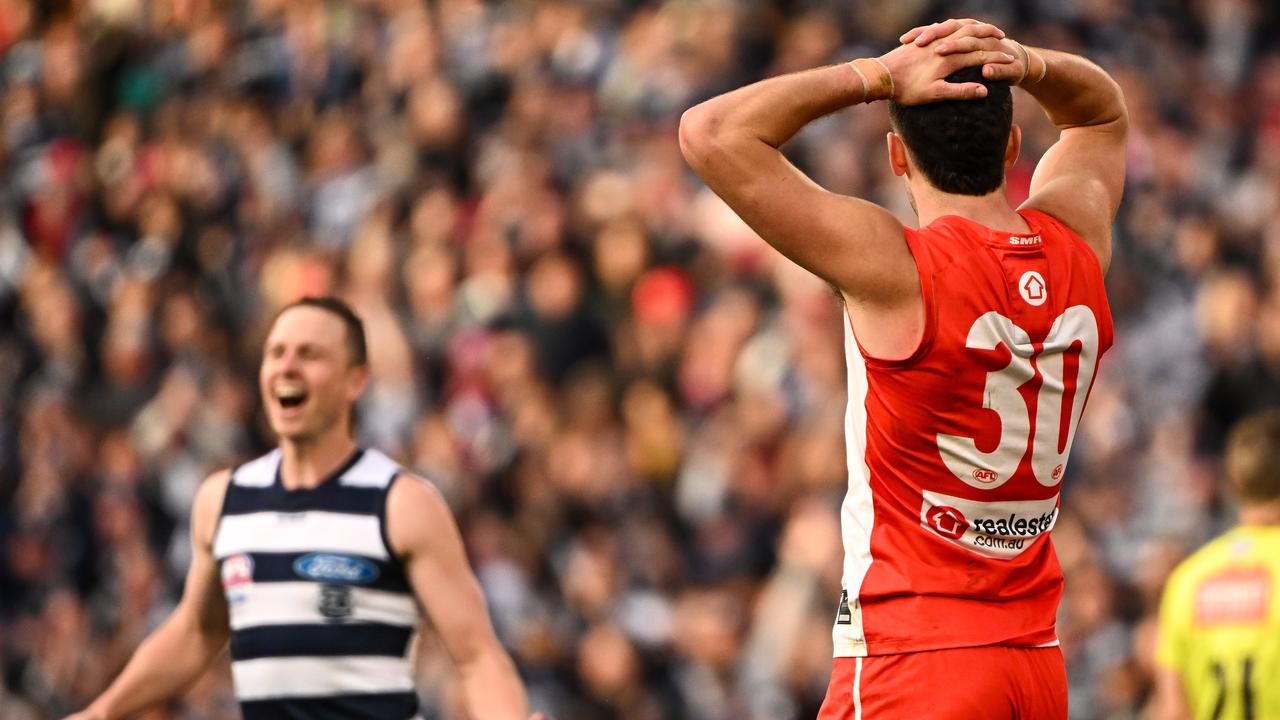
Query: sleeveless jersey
(956, 453)
(1220, 626)
(321, 612)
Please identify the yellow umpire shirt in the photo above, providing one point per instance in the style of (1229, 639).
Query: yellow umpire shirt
(1220, 626)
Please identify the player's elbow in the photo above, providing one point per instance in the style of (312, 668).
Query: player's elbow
(700, 135)
(1119, 110)
(1113, 114)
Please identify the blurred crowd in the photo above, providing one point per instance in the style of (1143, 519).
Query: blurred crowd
(633, 406)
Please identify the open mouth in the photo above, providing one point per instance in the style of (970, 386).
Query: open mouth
(291, 398)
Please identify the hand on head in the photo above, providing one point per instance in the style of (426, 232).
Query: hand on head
(929, 54)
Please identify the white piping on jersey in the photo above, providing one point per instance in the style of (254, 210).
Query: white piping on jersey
(857, 513)
(857, 689)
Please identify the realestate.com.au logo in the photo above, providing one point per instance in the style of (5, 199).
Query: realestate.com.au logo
(947, 521)
(995, 529)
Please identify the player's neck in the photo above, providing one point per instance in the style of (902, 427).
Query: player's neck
(306, 464)
(991, 209)
(1260, 513)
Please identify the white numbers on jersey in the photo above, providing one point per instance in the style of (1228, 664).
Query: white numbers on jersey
(1049, 450)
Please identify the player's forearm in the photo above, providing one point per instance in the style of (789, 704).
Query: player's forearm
(492, 687)
(1073, 91)
(165, 664)
(771, 111)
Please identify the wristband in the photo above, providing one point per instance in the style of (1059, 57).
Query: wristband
(877, 81)
(1026, 57)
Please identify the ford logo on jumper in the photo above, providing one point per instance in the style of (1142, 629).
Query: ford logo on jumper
(325, 567)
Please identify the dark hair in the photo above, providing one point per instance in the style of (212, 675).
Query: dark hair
(357, 347)
(959, 144)
(1253, 457)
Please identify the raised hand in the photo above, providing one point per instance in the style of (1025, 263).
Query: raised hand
(966, 36)
(919, 67)
(925, 34)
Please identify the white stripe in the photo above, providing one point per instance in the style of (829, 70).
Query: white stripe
(857, 514)
(373, 469)
(259, 472)
(269, 678)
(311, 531)
(298, 603)
(857, 689)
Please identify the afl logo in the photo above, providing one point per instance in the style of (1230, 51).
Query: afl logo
(947, 521)
(985, 476)
(330, 568)
(237, 570)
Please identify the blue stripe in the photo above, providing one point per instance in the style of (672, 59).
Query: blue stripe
(365, 639)
(330, 497)
(388, 706)
(279, 567)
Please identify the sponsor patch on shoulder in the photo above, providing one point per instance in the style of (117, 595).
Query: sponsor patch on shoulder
(1236, 596)
(333, 568)
(994, 529)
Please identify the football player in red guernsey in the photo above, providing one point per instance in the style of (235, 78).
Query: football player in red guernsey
(971, 345)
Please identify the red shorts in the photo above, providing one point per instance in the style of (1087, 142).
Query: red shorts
(978, 683)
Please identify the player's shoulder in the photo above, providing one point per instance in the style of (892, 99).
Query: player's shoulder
(413, 490)
(416, 512)
(213, 489)
(1082, 237)
(207, 505)
(1234, 547)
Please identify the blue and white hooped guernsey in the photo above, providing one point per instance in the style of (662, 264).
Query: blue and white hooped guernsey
(321, 611)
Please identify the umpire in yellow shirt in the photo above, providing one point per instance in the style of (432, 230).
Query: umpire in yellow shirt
(1219, 651)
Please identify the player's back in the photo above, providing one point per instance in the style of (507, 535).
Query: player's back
(1220, 625)
(956, 453)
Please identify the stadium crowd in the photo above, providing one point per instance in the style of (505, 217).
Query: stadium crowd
(634, 407)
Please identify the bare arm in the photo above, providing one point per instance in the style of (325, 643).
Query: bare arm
(732, 142)
(174, 656)
(425, 537)
(1170, 701)
(1080, 179)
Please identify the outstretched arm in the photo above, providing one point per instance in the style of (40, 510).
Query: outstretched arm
(176, 654)
(425, 537)
(1080, 180)
(732, 142)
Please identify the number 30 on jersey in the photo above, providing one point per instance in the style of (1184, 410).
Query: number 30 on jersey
(1075, 327)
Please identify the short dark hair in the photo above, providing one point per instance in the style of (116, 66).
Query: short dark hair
(1253, 457)
(357, 346)
(959, 144)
